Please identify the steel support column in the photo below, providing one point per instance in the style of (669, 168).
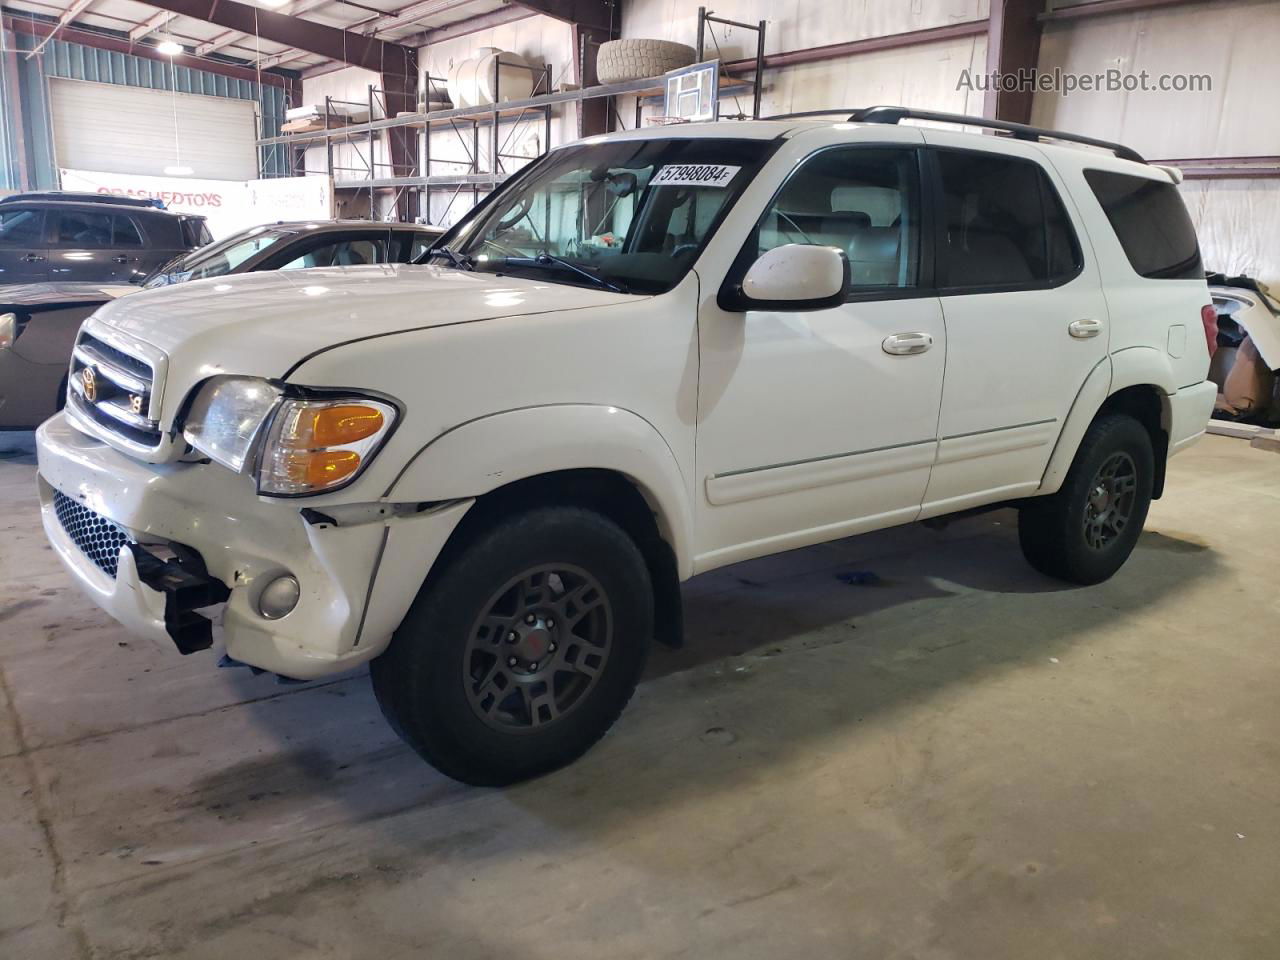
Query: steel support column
(1013, 49)
(594, 116)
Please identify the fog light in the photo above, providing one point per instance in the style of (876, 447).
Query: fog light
(279, 597)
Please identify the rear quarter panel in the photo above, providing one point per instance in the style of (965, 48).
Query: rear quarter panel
(1161, 318)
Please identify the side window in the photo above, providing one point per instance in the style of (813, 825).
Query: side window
(1003, 224)
(863, 200)
(21, 228)
(1152, 224)
(124, 233)
(347, 252)
(76, 229)
(419, 244)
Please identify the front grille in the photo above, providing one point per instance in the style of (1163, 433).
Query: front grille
(97, 537)
(115, 390)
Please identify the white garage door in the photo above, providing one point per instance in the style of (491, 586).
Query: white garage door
(118, 129)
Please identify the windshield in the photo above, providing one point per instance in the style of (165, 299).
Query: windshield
(218, 259)
(627, 215)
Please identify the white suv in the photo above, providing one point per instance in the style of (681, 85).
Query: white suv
(648, 355)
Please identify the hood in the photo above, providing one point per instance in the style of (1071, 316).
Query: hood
(262, 324)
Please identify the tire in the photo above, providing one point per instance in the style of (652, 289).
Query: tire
(446, 683)
(1084, 533)
(620, 60)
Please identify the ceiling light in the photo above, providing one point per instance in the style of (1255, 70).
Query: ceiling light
(178, 171)
(169, 47)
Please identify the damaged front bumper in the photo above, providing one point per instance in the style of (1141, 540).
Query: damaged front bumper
(155, 544)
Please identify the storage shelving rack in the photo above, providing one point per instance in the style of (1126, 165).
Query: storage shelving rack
(468, 123)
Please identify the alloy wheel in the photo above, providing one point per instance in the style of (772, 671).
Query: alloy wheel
(538, 648)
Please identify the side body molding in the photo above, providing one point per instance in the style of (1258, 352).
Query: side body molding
(479, 456)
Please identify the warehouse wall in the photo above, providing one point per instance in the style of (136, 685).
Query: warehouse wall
(1233, 41)
(539, 39)
(924, 76)
(24, 84)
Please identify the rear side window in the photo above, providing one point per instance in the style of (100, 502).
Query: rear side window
(1003, 224)
(124, 233)
(1151, 223)
(195, 232)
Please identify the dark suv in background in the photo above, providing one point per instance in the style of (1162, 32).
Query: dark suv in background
(59, 237)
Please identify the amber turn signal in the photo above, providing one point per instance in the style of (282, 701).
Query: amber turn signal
(321, 468)
(338, 425)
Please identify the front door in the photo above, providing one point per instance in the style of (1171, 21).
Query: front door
(816, 425)
(80, 247)
(24, 248)
(1026, 319)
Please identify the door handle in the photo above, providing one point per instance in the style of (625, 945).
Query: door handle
(33, 258)
(907, 344)
(1084, 329)
(123, 259)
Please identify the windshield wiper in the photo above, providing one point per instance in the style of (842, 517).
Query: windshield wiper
(546, 260)
(458, 260)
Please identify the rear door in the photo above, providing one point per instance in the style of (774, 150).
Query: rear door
(1025, 316)
(128, 258)
(24, 247)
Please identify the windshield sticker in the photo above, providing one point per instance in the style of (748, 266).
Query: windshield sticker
(694, 175)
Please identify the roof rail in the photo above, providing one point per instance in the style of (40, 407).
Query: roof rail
(1021, 131)
(812, 113)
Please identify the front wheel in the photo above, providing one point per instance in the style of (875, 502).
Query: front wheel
(523, 650)
(1085, 532)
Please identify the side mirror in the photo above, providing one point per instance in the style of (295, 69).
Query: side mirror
(795, 276)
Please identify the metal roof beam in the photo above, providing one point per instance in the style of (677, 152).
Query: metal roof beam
(67, 16)
(596, 14)
(331, 42)
(231, 36)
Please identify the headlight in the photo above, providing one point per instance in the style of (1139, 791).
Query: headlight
(227, 416)
(317, 445)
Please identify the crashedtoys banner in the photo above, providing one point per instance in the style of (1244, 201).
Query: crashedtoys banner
(230, 205)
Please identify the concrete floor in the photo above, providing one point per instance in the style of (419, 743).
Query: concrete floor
(967, 761)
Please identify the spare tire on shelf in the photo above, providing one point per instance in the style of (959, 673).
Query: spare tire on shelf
(621, 60)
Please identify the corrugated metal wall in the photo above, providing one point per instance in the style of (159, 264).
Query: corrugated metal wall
(29, 99)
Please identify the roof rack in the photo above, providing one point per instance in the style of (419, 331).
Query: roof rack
(1021, 131)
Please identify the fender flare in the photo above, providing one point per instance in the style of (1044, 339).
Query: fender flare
(482, 455)
(1130, 367)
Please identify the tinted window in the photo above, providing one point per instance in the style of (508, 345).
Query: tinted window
(1151, 223)
(124, 233)
(22, 228)
(341, 253)
(863, 201)
(220, 258)
(195, 232)
(1003, 224)
(76, 229)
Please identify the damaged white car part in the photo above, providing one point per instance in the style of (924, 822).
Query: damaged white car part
(308, 445)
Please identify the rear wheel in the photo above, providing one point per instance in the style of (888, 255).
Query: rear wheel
(524, 650)
(1086, 531)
